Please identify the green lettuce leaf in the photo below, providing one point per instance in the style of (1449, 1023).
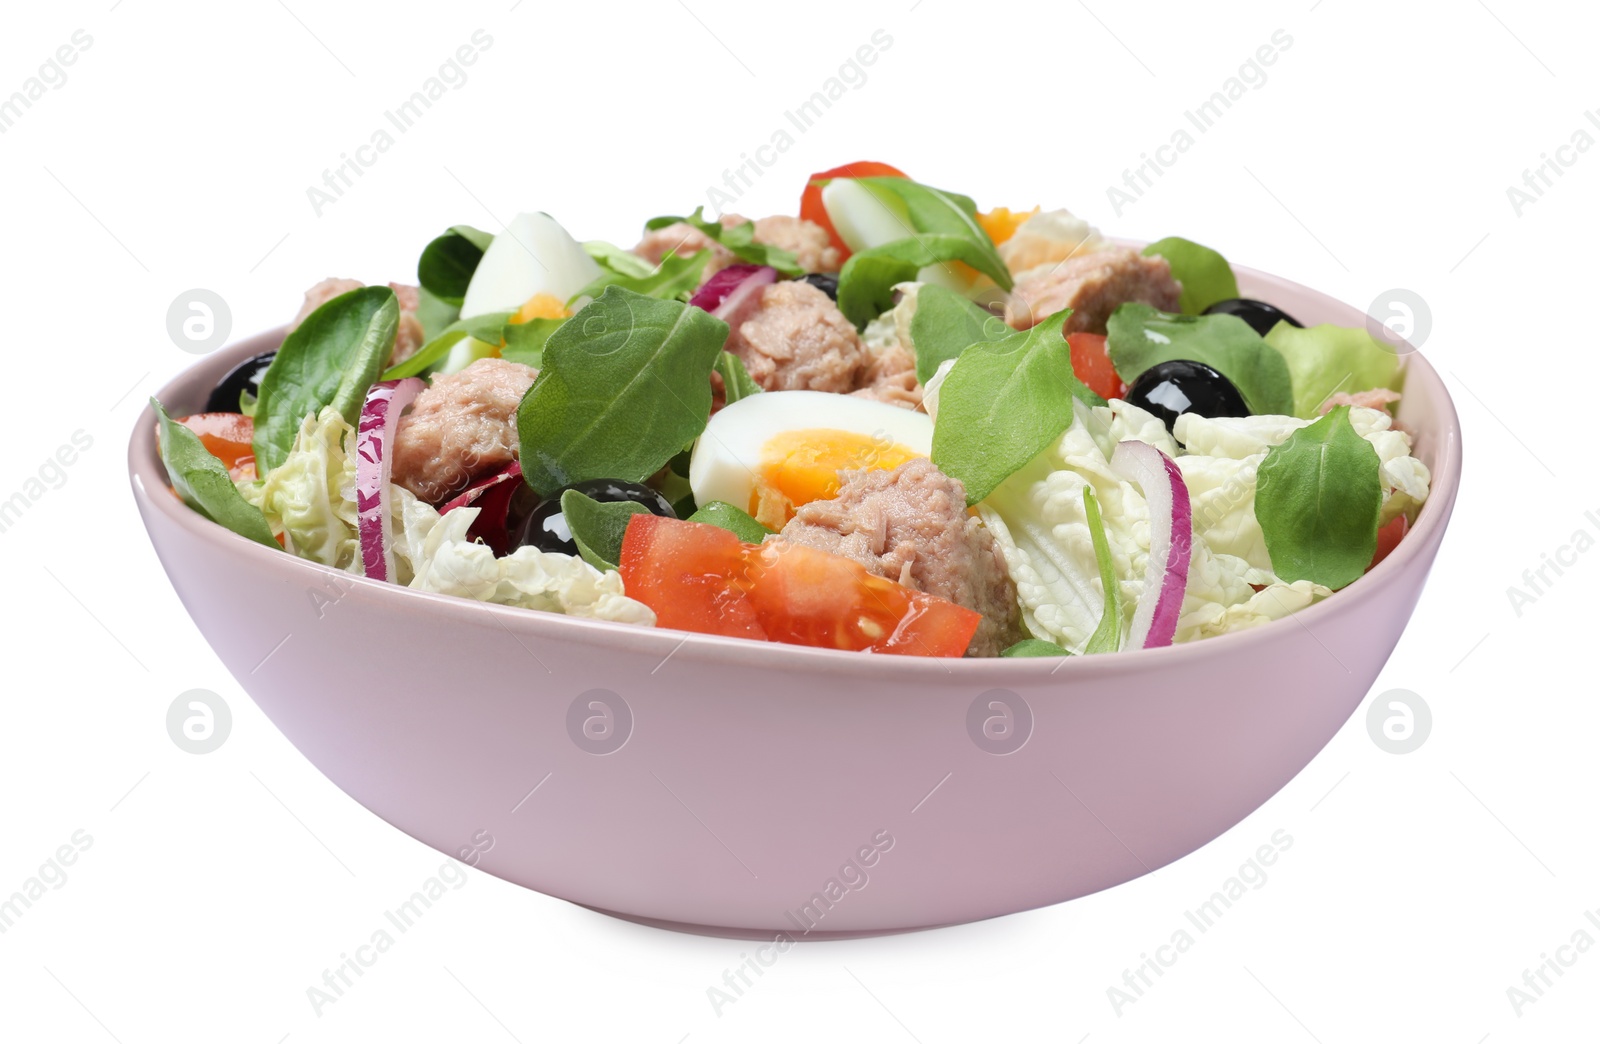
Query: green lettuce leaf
(488, 328)
(524, 342)
(1035, 647)
(615, 258)
(1139, 336)
(675, 278)
(726, 516)
(626, 384)
(945, 324)
(1205, 274)
(598, 528)
(311, 495)
(1108, 636)
(738, 239)
(736, 380)
(1327, 359)
(867, 281)
(446, 266)
(202, 481)
(1318, 496)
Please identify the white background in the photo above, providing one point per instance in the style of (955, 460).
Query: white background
(1377, 155)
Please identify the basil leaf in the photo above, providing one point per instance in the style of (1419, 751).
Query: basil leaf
(434, 315)
(1326, 359)
(736, 380)
(615, 258)
(598, 528)
(1139, 336)
(1317, 500)
(626, 384)
(524, 342)
(674, 277)
(203, 482)
(487, 328)
(946, 324)
(331, 359)
(867, 281)
(1108, 636)
(1003, 402)
(1205, 274)
(1035, 647)
(739, 240)
(726, 516)
(446, 265)
(934, 211)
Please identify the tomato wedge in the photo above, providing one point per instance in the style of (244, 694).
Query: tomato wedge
(1389, 535)
(811, 208)
(701, 578)
(1092, 365)
(228, 437)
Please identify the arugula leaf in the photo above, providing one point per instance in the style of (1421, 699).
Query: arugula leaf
(434, 314)
(1317, 499)
(525, 341)
(736, 380)
(1205, 274)
(1003, 402)
(626, 384)
(446, 265)
(934, 211)
(1035, 647)
(331, 359)
(203, 482)
(1108, 636)
(488, 328)
(675, 277)
(738, 239)
(598, 528)
(867, 281)
(1139, 336)
(1326, 359)
(725, 516)
(945, 324)
(615, 258)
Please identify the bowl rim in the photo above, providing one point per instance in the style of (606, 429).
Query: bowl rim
(148, 478)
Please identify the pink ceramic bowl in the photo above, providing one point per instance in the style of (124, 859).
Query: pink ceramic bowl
(731, 787)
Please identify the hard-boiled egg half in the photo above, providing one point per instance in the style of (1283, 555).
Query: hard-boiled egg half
(866, 216)
(533, 255)
(770, 453)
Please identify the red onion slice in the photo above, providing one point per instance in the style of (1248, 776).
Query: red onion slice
(492, 496)
(725, 282)
(1155, 618)
(380, 414)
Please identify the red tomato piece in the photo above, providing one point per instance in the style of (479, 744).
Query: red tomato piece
(811, 208)
(228, 436)
(1389, 535)
(1092, 365)
(701, 578)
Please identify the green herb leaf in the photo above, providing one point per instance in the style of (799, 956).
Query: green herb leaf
(331, 359)
(626, 384)
(738, 239)
(1139, 336)
(1205, 274)
(726, 516)
(867, 281)
(1035, 647)
(434, 315)
(935, 211)
(524, 342)
(1108, 636)
(736, 380)
(203, 481)
(446, 265)
(1327, 359)
(1003, 402)
(1317, 500)
(488, 328)
(674, 278)
(615, 258)
(598, 528)
(946, 324)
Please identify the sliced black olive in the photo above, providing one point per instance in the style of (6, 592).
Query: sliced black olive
(827, 282)
(545, 527)
(246, 377)
(1259, 315)
(1179, 386)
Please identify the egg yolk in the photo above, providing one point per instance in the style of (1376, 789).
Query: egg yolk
(1001, 223)
(798, 467)
(541, 306)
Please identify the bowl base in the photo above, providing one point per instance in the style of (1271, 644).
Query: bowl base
(755, 934)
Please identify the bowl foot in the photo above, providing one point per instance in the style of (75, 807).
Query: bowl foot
(758, 934)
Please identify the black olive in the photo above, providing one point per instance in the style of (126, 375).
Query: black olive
(1258, 315)
(545, 527)
(246, 377)
(1180, 386)
(824, 281)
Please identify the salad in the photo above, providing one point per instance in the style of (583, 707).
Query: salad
(893, 423)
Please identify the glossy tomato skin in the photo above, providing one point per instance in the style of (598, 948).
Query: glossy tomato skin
(228, 437)
(1092, 365)
(1389, 536)
(811, 208)
(702, 578)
